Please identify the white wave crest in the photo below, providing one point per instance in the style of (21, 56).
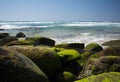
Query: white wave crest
(20, 27)
(11, 27)
(92, 24)
(12, 23)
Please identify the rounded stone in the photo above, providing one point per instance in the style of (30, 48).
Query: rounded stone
(15, 67)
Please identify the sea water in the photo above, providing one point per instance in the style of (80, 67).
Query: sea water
(65, 32)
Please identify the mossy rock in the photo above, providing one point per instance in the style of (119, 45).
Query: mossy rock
(6, 40)
(42, 41)
(65, 77)
(15, 67)
(69, 63)
(57, 49)
(69, 55)
(77, 46)
(93, 47)
(84, 57)
(20, 42)
(101, 65)
(112, 43)
(3, 35)
(44, 57)
(104, 77)
(71, 45)
(68, 59)
(20, 35)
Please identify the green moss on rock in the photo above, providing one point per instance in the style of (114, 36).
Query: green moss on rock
(20, 42)
(69, 55)
(93, 47)
(57, 49)
(69, 59)
(42, 41)
(84, 57)
(15, 67)
(104, 77)
(101, 65)
(77, 46)
(44, 57)
(6, 40)
(65, 77)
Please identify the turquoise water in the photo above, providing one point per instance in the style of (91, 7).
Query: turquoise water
(66, 32)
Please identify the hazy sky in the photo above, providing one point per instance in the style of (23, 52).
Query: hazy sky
(60, 10)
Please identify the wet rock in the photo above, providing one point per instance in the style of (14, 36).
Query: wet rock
(6, 40)
(3, 35)
(15, 67)
(42, 41)
(20, 35)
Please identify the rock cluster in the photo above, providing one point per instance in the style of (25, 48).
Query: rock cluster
(39, 59)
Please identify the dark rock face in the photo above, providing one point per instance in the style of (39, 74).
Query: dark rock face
(15, 67)
(3, 35)
(42, 41)
(20, 34)
(7, 40)
(71, 45)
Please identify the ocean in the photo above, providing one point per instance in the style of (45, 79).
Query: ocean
(65, 32)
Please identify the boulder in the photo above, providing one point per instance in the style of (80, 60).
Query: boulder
(104, 77)
(20, 35)
(112, 43)
(101, 65)
(84, 57)
(6, 40)
(3, 35)
(114, 51)
(77, 46)
(42, 41)
(68, 59)
(69, 55)
(44, 57)
(93, 47)
(15, 67)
